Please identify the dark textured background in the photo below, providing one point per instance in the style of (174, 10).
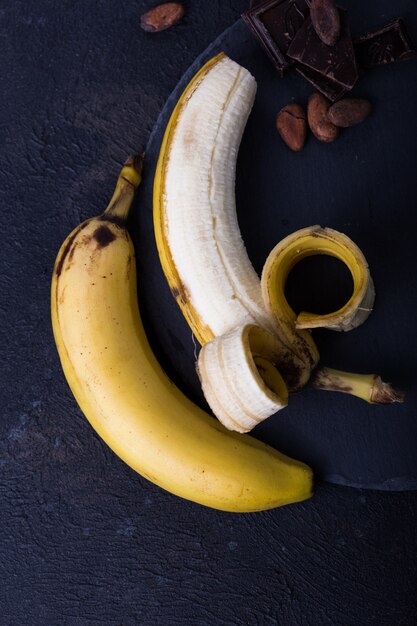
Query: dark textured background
(83, 539)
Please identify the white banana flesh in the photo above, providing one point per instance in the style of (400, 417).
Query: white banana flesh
(199, 201)
(238, 377)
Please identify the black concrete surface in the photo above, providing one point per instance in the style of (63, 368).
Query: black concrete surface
(83, 539)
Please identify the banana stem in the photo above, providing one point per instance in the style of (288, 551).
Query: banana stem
(127, 183)
(368, 387)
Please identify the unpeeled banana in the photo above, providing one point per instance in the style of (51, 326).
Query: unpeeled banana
(121, 388)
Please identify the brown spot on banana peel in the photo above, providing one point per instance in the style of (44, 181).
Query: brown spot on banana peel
(290, 372)
(367, 387)
(297, 362)
(68, 246)
(103, 236)
(128, 267)
(325, 383)
(61, 299)
(68, 251)
(179, 295)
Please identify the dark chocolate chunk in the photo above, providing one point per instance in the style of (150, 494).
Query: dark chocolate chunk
(330, 88)
(275, 23)
(336, 63)
(386, 45)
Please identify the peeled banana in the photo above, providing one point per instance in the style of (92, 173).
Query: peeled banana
(205, 261)
(197, 233)
(121, 388)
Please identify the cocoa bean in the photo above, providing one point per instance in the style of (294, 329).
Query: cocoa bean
(292, 126)
(317, 115)
(162, 17)
(326, 20)
(349, 112)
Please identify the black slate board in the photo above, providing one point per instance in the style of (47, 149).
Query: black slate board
(365, 185)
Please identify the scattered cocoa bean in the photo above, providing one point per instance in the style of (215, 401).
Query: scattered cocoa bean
(317, 115)
(162, 17)
(349, 112)
(292, 126)
(325, 19)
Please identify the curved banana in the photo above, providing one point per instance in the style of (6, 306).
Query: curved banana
(126, 396)
(197, 233)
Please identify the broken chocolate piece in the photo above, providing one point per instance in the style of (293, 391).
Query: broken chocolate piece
(386, 45)
(330, 88)
(336, 63)
(275, 23)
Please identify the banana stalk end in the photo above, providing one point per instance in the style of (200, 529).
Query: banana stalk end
(368, 387)
(132, 169)
(128, 181)
(384, 393)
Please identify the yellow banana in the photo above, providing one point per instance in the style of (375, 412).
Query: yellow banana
(128, 399)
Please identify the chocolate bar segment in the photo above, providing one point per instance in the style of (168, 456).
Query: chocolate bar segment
(386, 45)
(275, 23)
(336, 63)
(330, 88)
